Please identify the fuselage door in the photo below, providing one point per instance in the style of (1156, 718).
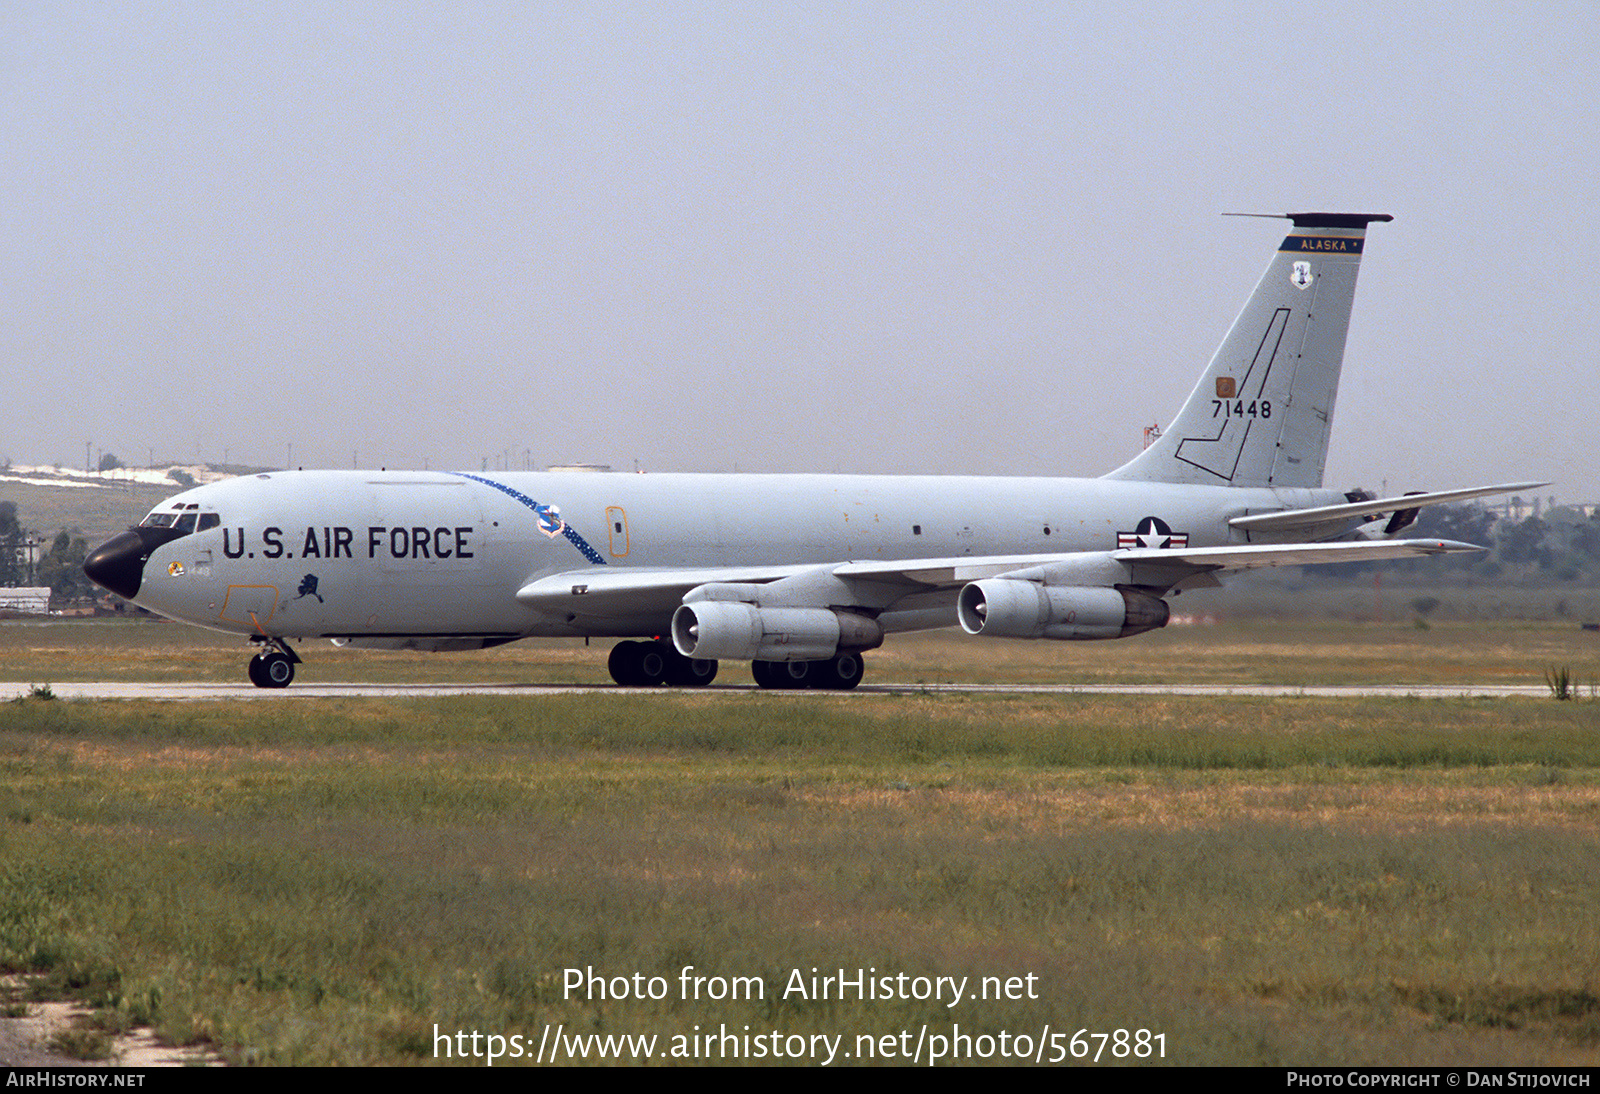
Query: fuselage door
(250, 605)
(617, 529)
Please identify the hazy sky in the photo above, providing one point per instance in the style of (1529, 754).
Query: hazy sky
(849, 237)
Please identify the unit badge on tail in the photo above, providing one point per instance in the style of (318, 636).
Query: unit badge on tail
(1152, 532)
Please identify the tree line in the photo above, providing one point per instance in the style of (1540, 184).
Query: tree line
(1560, 545)
(59, 566)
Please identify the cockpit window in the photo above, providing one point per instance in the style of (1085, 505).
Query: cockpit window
(183, 521)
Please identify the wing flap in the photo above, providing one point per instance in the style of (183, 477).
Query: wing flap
(627, 590)
(944, 572)
(1258, 556)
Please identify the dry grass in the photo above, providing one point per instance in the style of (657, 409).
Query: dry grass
(1360, 801)
(1238, 651)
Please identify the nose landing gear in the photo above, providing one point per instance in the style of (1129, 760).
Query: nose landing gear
(273, 666)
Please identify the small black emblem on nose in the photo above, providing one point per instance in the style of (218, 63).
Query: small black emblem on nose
(308, 587)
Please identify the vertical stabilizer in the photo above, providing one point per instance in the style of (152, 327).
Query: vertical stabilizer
(1261, 413)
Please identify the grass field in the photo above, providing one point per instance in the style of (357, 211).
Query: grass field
(1242, 651)
(1291, 881)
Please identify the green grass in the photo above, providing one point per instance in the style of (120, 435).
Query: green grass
(1269, 882)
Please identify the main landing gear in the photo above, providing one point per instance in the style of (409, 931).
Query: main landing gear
(648, 664)
(840, 672)
(273, 666)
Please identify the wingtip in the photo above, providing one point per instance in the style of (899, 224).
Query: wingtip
(1450, 547)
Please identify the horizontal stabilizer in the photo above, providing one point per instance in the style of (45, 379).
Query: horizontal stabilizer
(1331, 514)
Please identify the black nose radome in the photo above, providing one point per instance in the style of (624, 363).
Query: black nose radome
(118, 563)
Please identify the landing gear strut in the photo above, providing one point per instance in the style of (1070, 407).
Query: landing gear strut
(273, 666)
(841, 672)
(649, 664)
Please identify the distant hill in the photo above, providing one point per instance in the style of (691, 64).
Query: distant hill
(97, 504)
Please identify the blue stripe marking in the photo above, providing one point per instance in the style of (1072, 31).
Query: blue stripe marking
(567, 531)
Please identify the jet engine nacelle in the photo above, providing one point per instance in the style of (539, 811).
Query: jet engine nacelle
(717, 630)
(1008, 608)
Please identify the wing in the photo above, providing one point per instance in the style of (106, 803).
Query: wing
(1148, 564)
(615, 591)
(912, 594)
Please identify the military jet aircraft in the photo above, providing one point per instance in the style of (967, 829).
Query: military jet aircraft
(799, 574)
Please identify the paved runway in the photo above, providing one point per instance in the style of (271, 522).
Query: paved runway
(180, 692)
